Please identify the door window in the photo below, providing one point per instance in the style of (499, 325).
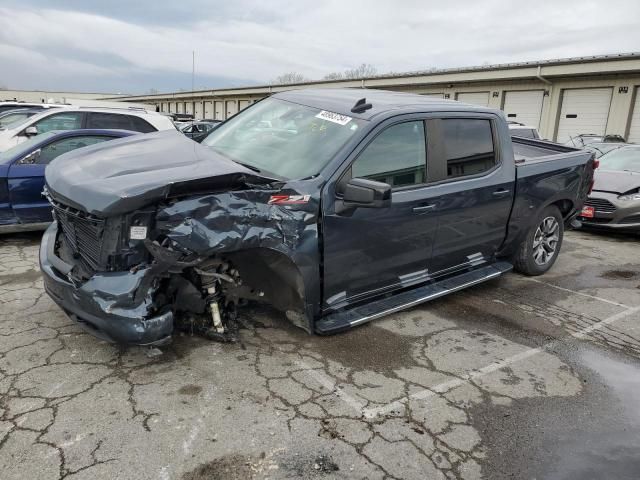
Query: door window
(468, 146)
(57, 148)
(397, 156)
(109, 121)
(60, 121)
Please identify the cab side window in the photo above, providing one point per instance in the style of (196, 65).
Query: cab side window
(397, 156)
(468, 146)
(60, 121)
(57, 148)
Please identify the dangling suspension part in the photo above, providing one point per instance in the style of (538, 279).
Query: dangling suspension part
(223, 319)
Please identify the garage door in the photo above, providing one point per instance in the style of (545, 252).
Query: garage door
(634, 130)
(198, 110)
(243, 104)
(189, 107)
(208, 109)
(230, 107)
(583, 111)
(219, 110)
(524, 107)
(475, 98)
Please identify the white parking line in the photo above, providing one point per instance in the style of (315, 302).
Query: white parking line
(607, 321)
(360, 407)
(610, 302)
(330, 384)
(451, 384)
(446, 386)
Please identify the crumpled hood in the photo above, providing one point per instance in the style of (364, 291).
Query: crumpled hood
(616, 181)
(123, 175)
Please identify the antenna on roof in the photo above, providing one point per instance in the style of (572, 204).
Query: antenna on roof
(361, 106)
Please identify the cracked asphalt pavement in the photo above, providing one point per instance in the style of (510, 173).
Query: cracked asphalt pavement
(515, 378)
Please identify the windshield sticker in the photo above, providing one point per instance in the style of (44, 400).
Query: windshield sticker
(334, 117)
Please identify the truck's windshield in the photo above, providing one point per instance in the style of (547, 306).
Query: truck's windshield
(290, 140)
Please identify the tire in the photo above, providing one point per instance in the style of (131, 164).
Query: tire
(540, 249)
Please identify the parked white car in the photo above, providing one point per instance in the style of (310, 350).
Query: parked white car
(74, 118)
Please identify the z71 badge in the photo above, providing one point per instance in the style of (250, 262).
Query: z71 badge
(289, 199)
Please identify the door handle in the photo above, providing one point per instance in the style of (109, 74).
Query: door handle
(501, 193)
(423, 208)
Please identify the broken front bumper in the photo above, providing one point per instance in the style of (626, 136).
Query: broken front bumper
(113, 306)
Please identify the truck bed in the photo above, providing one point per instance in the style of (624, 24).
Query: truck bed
(546, 171)
(528, 149)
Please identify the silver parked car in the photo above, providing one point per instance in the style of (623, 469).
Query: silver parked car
(614, 202)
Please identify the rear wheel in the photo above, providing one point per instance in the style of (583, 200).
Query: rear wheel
(541, 246)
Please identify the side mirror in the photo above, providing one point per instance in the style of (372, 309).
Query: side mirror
(361, 192)
(31, 131)
(31, 157)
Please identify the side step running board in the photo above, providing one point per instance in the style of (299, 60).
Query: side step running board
(345, 319)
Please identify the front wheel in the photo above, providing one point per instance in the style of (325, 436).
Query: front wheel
(541, 246)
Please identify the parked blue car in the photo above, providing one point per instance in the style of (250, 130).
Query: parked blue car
(22, 206)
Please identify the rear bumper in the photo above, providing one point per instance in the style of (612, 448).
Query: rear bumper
(113, 306)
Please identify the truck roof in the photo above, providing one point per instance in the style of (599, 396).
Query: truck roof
(384, 102)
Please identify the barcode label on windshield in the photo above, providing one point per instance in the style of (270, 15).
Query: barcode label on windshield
(334, 117)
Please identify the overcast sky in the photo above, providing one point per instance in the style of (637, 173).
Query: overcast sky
(136, 45)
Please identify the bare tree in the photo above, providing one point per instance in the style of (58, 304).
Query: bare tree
(152, 91)
(290, 78)
(333, 76)
(3, 87)
(363, 71)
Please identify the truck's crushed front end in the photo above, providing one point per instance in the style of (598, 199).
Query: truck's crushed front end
(186, 257)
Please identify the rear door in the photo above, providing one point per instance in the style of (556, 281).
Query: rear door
(26, 177)
(474, 189)
(371, 250)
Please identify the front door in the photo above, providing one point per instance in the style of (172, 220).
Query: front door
(372, 250)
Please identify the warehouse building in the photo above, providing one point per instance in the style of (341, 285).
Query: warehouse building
(52, 96)
(562, 98)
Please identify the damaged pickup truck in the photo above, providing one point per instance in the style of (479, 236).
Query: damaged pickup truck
(334, 206)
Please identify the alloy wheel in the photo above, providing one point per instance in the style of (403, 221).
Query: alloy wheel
(545, 241)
